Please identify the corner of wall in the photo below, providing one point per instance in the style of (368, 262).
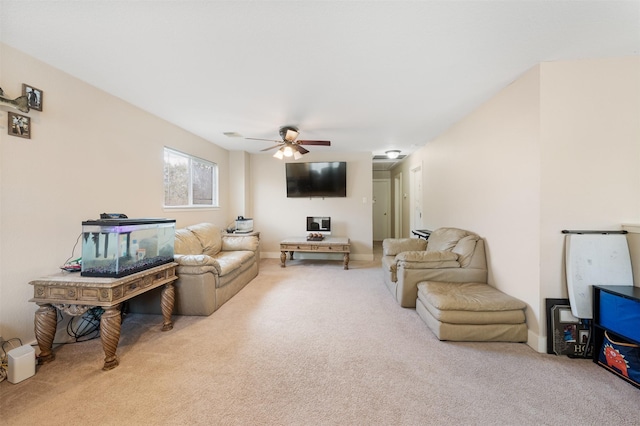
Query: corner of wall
(536, 342)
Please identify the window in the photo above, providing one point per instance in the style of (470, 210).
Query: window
(189, 181)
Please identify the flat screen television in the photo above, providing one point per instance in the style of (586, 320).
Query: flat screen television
(319, 179)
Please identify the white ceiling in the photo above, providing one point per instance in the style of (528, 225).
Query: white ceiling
(367, 75)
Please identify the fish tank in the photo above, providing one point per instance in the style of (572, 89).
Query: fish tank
(119, 247)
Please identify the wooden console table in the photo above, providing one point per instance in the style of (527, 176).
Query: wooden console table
(74, 295)
(327, 245)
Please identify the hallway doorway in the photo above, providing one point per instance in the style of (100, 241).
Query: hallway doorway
(381, 209)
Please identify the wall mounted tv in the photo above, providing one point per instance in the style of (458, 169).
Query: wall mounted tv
(320, 179)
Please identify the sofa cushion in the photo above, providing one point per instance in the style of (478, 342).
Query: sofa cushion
(427, 260)
(186, 243)
(229, 261)
(427, 256)
(209, 236)
(511, 316)
(234, 243)
(467, 297)
(445, 238)
(393, 246)
(500, 332)
(443, 264)
(465, 249)
(197, 263)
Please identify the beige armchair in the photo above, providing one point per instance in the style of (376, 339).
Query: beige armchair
(450, 255)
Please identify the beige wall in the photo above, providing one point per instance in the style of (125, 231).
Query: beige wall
(557, 149)
(590, 143)
(89, 153)
(278, 217)
(240, 194)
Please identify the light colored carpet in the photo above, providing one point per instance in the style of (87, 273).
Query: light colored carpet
(313, 344)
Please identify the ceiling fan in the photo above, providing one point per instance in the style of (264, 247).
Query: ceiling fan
(289, 146)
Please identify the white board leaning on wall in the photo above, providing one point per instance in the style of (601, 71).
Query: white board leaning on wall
(594, 259)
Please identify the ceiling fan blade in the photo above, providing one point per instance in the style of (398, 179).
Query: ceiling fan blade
(268, 140)
(275, 146)
(323, 143)
(301, 150)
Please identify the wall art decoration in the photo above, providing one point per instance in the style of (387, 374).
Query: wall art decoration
(566, 334)
(20, 103)
(34, 96)
(19, 125)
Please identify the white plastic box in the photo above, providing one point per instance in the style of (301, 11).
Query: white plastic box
(244, 225)
(22, 363)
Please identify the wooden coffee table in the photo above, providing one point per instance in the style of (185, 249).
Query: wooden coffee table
(327, 245)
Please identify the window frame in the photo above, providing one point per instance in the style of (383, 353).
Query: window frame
(215, 191)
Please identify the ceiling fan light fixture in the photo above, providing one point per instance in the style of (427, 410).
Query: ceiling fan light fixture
(393, 154)
(291, 135)
(288, 146)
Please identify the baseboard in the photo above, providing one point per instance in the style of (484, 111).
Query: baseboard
(536, 342)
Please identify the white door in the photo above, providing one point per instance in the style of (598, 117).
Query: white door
(381, 217)
(397, 205)
(416, 198)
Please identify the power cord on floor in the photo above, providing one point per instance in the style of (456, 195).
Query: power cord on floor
(87, 326)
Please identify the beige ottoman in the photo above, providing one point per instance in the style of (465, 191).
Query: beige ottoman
(472, 312)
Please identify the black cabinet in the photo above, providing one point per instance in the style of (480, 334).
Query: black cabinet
(616, 330)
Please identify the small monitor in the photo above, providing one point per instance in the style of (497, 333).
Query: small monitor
(319, 224)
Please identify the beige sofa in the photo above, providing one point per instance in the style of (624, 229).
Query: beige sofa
(450, 255)
(212, 268)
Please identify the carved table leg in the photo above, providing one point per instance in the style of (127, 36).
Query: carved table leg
(346, 261)
(168, 299)
(46, 322)
(110, 335)
(290, 255)
(283, 258)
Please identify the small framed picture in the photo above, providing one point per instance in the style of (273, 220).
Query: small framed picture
(34, 96)
(19, 125)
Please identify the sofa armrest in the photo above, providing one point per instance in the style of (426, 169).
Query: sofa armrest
(240, 242)
(427, 259)
(393, 246)
(196, 264)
